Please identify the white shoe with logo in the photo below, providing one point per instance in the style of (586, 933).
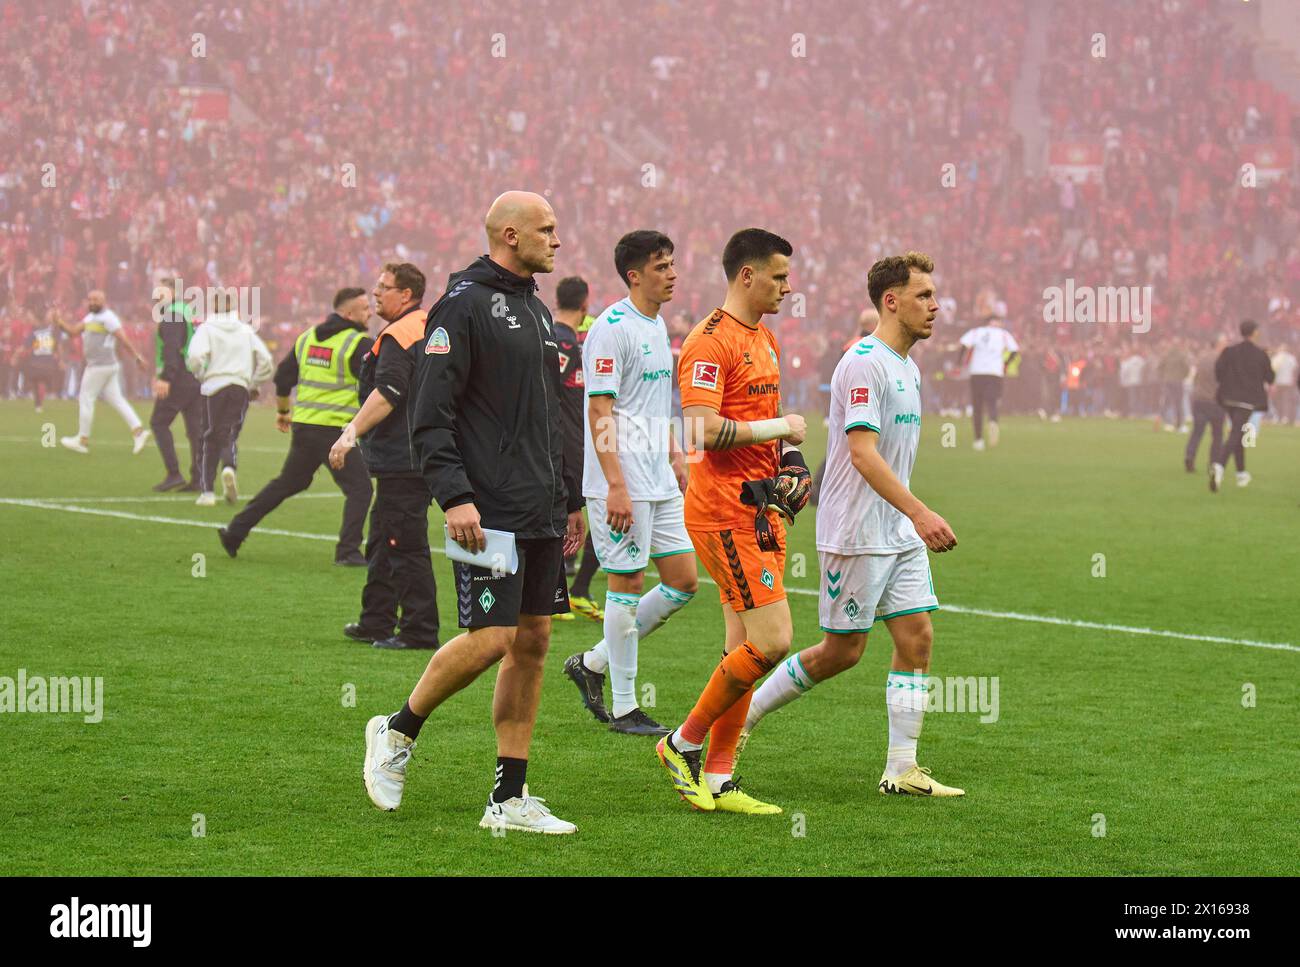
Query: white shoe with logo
(206, 499)
(74, 443)
(526, 814)
(1243, 478)
(229, 486)
(387, 754)
(141, 439)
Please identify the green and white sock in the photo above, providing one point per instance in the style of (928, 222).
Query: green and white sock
(906, 695)
(787, 682)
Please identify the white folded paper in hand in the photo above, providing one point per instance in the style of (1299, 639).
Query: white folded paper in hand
(500, 555)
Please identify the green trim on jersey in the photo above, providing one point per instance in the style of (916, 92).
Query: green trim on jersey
(610, 570)
(853, 426)
(899, 614)
(902, 359)
(843, 631)
(603, 392)
(684, 550)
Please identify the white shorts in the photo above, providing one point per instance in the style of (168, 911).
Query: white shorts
(658, 530)
(859, 589)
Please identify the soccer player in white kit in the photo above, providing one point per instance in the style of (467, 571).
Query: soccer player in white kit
(872, 532)
(633, 475)
(100, 330)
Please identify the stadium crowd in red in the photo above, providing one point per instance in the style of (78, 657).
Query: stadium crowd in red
(297, 146)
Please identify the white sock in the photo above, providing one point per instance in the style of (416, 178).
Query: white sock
(621, 639)
(786, 683)
(715, 780)
(906, 694)
(657, 605)
(597, 660)
(681, 744)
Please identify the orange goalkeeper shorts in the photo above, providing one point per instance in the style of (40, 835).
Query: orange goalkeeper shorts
(747, 577)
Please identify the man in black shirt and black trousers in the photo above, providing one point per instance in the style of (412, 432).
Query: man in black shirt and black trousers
(312, 429)
(400, 570)
(1244, 373)
(488, 432)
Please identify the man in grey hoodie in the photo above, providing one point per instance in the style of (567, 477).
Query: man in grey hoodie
(230, 360)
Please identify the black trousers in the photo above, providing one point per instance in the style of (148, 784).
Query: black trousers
(400, 569)
(1238, 417)
(1205, 413)
(309, 447)
(182, 400)
(225, 411)
(984, 394)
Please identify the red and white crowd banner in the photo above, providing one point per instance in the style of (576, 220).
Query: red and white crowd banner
(1077, 160)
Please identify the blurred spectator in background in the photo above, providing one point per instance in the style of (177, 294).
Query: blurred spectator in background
(1206, 410)
(1285, 395)
(1244, 374)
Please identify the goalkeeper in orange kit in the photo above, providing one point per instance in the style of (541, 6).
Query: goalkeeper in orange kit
(750, 476)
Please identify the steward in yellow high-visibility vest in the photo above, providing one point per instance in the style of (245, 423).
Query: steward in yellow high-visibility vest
(324, 365)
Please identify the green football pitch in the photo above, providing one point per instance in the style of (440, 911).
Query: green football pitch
(1152, 726)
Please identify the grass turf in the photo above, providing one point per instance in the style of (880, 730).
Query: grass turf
(224, 693)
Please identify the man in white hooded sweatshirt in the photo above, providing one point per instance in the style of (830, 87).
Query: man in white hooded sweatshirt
(229, 359)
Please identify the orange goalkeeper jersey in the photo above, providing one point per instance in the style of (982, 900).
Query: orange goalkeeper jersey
(734, 369)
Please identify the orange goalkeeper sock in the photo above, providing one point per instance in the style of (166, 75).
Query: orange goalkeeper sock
(725, 734)
(731, 680)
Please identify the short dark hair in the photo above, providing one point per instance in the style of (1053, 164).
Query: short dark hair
(752, 246)
(1247, 328)
(637, 248)
(571, 293)
(347, 295)
(894, 270)
(407, 276)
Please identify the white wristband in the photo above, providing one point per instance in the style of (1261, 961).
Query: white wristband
(765, 430)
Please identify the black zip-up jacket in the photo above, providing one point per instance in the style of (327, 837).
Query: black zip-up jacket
(388, 369)
(1242, 370)
(487, 423)
(286, 374)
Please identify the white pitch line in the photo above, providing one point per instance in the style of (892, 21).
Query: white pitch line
(956, 609)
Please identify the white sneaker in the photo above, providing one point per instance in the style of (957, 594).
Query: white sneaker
(995, 433)
(387, 755)
(141, 439)
(1216, 477)
(1243, 478)
(74, 443)
(229, 485)
(1056, 418)
(207, 499)
(527, 815)
(978, 445)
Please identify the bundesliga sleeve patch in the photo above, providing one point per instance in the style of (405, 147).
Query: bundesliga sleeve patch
(604, 365)
(705, 376)
(439, 344)
(859, 395)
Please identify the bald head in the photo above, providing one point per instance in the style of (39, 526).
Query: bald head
(868, 321)
(95, 299)
(521, 232)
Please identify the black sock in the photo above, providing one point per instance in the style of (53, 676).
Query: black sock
(406, 722)
(511, 774)
(586, 571)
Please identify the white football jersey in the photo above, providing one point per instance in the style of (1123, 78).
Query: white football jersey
(988, 345)
(875, 388)
(627, 356)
